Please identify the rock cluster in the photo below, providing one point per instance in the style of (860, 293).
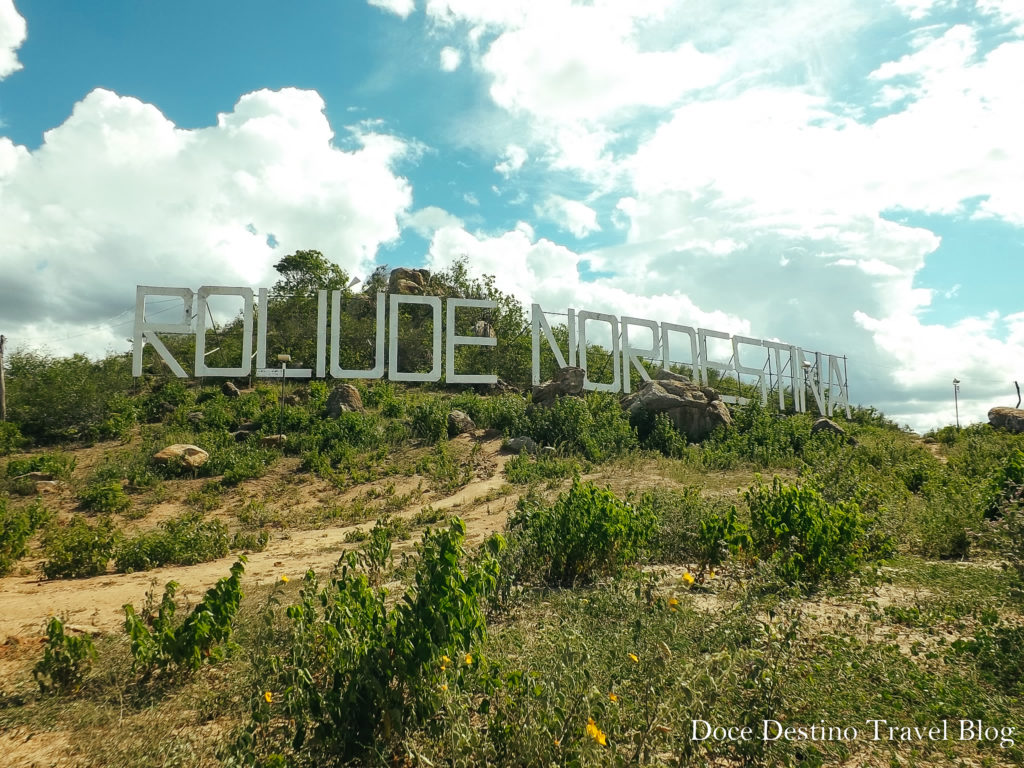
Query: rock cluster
(695, 411)
(568, 382)
(410, 281)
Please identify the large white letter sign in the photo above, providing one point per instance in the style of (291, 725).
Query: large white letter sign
(378, 363)
(262, 371)
(434, 303)
(205, 291)
(740, 368)
(666, 350)
(147, 331)
(540, 323)
(451, 340)
(631, 354)
(705, 364)
(778, 349)
(842, 387)
(616, 382)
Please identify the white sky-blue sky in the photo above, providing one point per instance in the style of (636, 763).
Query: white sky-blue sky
(842, 174)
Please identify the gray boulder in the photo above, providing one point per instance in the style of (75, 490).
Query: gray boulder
(344, 398)
(230, 390)
(827, 425)
(459, 423)
(1010, 419)
(568, 382)
(695, 411)
(518, 444)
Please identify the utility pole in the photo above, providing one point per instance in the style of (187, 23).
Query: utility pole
(956, 402)
(3, 386)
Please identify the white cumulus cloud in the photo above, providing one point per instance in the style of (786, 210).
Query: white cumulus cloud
(12, 34)
(570, 215)
(398, 7)
(118, 195)
(451, 58)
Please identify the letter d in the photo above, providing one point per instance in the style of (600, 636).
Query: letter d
(778, 730)
(707, 730)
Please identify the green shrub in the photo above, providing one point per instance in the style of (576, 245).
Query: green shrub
(16, 528)
(186, 540)
(658, 433)
(78, 549)
(250, 540)
(442, 466)
(759, 437)
(54, 399)
(596, 427)
(588, 532)
(430, 419)
(59, 465)
(524, 468)
(505, 413)
(360, 669)
(11, 438)
(158, 643)
(105, 497)
(65, 661)
(805, 538)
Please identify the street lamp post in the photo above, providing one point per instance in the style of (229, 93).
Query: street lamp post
(956, 400)
(283, 360)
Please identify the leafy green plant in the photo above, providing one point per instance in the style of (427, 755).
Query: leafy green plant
(805, 538)
(105, 497)
(596, 427)
(445, 471)
(186, 540)
(524, 469)
(66, 659)
(250, 541)
(78, 549)
(588, 532)
(158, 642)
(359, 673)
(718, 538)
(11, 438)
(16, 528)
(429, 419)
(57, 465)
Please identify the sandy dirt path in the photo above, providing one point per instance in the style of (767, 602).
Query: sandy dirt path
(96, 604)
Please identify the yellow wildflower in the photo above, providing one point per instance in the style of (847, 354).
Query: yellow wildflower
(445, 660)
(596, 733)
(613, 697)
(284, 578)
(469, 658)
(269, 697)
(688, 578)
(711, 575)
(672, 603)
(444, 686)
(635, 658)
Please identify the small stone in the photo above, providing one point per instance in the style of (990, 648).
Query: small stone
(459, 423)
(517, 444)
(191, 456)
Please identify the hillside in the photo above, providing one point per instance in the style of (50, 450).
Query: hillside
(642, 587)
